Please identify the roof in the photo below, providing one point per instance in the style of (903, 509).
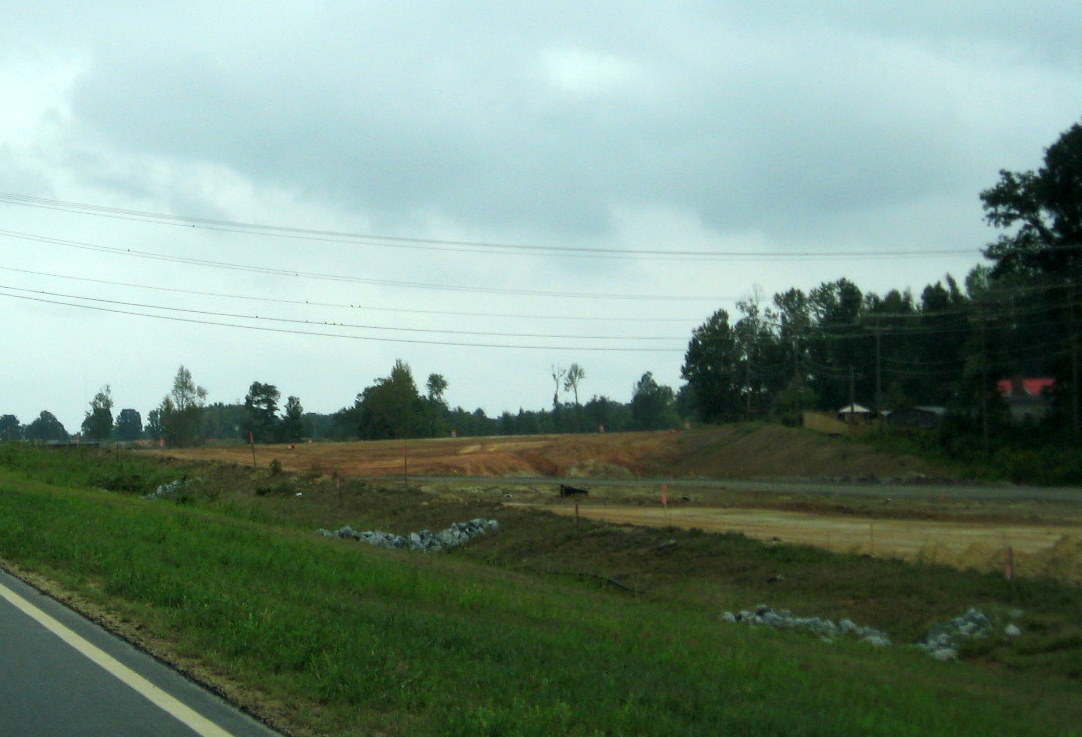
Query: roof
(1025, 386)
(855, 409)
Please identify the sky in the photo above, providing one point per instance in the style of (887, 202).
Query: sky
(302, 193)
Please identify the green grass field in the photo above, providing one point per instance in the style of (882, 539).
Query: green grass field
(351, 640)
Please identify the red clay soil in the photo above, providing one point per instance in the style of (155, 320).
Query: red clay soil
(738, 451)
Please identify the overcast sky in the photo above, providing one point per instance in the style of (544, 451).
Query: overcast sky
(597, 144)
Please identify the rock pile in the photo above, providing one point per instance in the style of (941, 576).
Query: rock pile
(425, 541)
(941, 642)
(824, 628)
(943, 639)
(172, 490)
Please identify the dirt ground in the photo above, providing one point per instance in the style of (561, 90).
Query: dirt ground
(715, 452)
(1040, 538)
(1035, 549)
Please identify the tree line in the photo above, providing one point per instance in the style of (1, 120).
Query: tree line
(952, 346)
(822, 349)
(392, 407)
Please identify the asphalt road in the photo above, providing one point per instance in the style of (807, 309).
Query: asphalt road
(63, 676)
(931, 490)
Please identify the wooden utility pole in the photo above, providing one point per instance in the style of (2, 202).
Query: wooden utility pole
(852, 393)
(1072, 328)
(984, 380)
(878, 375)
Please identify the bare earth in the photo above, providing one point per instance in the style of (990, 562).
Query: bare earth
(1036, 549)
(1042, 537)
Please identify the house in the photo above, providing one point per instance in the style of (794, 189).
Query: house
(1028, 399)
(855, 413)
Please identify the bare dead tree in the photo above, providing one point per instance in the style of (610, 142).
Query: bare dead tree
(574, 375)
(558, 373)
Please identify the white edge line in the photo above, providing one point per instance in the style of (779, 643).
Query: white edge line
(185, 714)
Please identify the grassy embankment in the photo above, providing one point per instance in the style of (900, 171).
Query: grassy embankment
(1034, 456)
(351, 640)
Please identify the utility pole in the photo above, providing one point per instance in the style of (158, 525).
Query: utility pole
(852, 393)
(1072, 328)
(878, 331)
(984, 380)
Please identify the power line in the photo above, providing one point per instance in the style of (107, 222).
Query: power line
(438, 244)
(82, 245)
(321, 334)
(342, 305)
(325, 323)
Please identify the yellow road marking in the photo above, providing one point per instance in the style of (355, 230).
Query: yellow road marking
(187, 716)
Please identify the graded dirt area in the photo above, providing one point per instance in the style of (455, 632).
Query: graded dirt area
(1042, 538)
(732, 451)
(1032, 549)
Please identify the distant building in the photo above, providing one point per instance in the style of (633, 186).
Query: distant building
(853, 413)
(1029, 399)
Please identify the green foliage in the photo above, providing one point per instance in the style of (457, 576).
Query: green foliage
(98, 422)
(375, 639)
(261, 407)
(10, 429)
(180, 413)
(653, 407)
(129, 425)
(436, 386)
(291, 428)
(712, 368)
(1041, 211)
(391, 408)
(1040, 457)
(85, 466)
(46, 427)
(574, 376)
(224, 421)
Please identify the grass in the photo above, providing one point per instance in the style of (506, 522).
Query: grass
(1036, 456)
(361, 641)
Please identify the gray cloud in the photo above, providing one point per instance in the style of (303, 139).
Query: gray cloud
(731, 126)
(739, 116)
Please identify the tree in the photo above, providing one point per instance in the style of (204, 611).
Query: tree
(391, 408)
(762, 357)
(181, 411)
(1042, 214)
(652, 405)
(261, 406)
(436, 386)
(607, 413)
(154, 424)
(436, 407)
(10, 428)
(574, 375)
(842, 348)
(225, 421)
(129, 425)
(557, 376)
(98, 421)
(712, 368)
(1042, 210)
(46, 427)
(291, 428)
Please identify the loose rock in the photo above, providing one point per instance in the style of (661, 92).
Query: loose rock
(425, 541)
(824, 628)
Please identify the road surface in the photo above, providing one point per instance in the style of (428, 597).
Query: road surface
(63, 676)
